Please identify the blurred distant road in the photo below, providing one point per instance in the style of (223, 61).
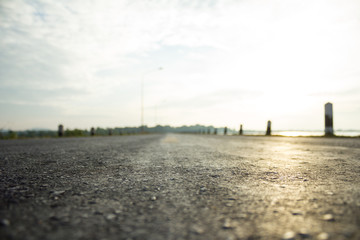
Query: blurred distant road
(180, 187)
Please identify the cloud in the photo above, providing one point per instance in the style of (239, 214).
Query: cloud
(32, 62)
(28, 116)
(98, 50)
(209, 100)
(27, 95)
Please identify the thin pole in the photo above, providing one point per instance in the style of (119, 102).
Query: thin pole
(142, 97)
(156, 112)
(142, 103)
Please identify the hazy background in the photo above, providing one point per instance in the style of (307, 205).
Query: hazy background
(80, 63)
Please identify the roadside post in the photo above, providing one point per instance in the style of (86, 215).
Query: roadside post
(61, 130)
(329, 130)
(268, 129)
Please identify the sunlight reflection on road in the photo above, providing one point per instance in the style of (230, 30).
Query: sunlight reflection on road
(169, 139)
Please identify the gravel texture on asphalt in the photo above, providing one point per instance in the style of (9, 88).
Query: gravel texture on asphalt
(180, 187)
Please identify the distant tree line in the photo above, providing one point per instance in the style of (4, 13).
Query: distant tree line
(199, 129)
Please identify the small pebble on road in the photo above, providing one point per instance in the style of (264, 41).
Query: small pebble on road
(227, 224)
(323, 236)
(328, 217)
(290, 235)
(4, 222)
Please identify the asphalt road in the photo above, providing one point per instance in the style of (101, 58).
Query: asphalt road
(180, 187)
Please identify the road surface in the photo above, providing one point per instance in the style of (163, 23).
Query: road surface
(180, 187)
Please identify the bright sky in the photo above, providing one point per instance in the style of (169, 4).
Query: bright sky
(225, 62)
